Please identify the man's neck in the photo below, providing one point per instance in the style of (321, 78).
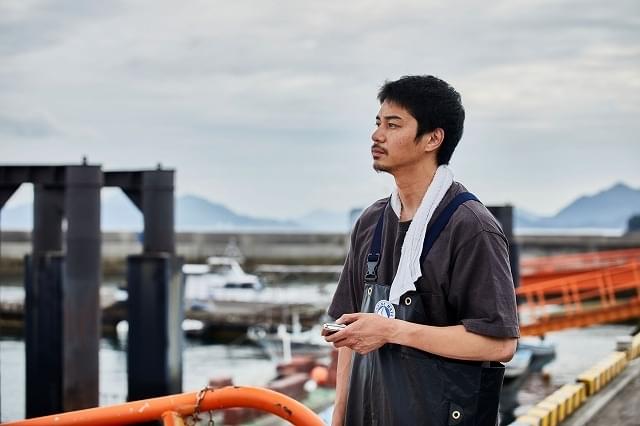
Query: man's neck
(412, 185)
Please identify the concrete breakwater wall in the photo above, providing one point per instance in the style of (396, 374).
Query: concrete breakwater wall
(590, 389)
(284, 248)
(291, 248)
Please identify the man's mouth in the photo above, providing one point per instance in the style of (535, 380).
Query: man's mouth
(377, 151)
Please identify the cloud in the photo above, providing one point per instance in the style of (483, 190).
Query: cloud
(32, 127)
(29, 25)
(256, 97)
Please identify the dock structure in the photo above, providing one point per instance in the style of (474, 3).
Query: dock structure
(579, 290)
(61, 287)
(154, 284)
(224, 321)
(579, 403)
(62, 274)
(63, 270)
(264, 248)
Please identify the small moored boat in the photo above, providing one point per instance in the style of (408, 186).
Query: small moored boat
(204, 282)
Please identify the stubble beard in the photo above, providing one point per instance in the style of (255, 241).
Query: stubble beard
(381, 169)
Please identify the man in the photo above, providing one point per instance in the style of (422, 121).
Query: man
(426, 290)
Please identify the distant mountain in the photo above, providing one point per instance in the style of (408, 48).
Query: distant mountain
(524, 218)
(198, 214)
(610, 208)
(606, 209)
(118, 213)
(192, 214)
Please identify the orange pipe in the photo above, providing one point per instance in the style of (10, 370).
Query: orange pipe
(171, 418)
(183, 405)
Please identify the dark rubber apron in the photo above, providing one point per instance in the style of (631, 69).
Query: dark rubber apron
(400, 385)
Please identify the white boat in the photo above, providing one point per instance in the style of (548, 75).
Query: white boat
(204, 282)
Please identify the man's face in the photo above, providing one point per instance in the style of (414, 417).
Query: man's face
(394, 140)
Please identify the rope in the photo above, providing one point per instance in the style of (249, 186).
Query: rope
(195, 417)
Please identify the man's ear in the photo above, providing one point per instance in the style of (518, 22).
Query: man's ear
(433, 139)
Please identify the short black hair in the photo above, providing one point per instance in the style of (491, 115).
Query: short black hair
(433, 103)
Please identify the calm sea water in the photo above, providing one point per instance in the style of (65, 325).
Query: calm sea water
(246, 365)
(577, 350)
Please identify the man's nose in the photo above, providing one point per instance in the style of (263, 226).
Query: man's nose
(377, 135)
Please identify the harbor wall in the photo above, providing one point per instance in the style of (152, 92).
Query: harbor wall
(285, 248)
(592, 392)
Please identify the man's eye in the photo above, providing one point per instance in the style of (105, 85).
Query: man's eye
(393, 126)
(377, 124)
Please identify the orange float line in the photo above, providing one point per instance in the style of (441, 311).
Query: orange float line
(581, 260)
(593, 292)
(171, 407)
(528, 280)
(549, 267)
(584, 318)
(616, 276)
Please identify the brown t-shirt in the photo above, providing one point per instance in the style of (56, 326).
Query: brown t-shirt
(466, 278)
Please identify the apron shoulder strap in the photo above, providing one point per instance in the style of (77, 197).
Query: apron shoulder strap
(373, 258)
(433, 232)
(442, 220)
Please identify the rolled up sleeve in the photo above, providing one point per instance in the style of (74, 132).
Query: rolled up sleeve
(481, 287)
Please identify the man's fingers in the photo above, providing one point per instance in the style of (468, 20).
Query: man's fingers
(340, 337)
(341, 343)
(347, 318)
(332, 336)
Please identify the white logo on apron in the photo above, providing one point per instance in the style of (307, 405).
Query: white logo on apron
(385, 308)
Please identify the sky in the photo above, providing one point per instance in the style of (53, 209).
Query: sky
(268, 106)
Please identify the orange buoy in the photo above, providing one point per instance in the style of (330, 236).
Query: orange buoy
(320, 374)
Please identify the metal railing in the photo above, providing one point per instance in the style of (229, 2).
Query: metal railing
(545, 267)
(578, 300)
(185, 408)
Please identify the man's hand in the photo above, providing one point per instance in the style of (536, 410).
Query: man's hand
(364, 332)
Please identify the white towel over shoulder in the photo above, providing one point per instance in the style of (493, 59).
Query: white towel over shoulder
(409, 267)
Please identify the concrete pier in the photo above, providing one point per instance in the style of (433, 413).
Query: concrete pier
(604, 394)
(615, 405)
(281, 248)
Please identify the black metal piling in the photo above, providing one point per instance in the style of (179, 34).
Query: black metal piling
(504, 215)
(154, 346)
(62, 286)
(82, 276)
